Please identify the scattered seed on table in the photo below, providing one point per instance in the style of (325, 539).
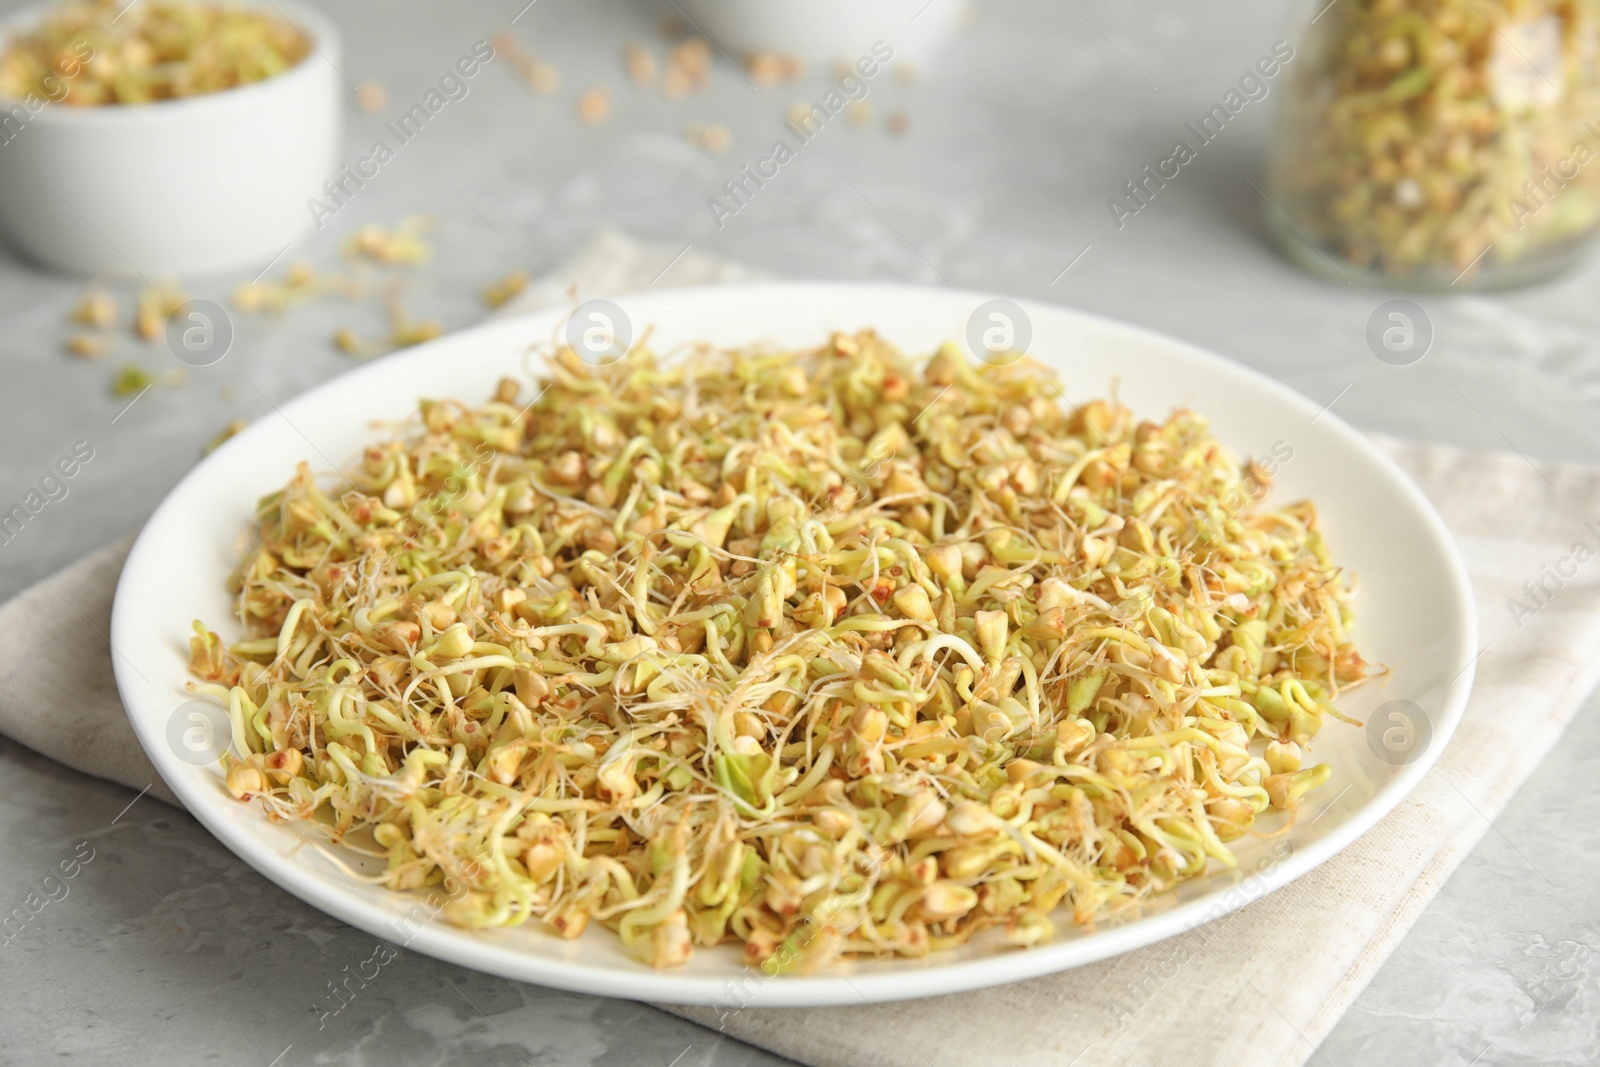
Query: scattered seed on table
(641, 65)
(594, 106)
(88, 345)
(372, 97)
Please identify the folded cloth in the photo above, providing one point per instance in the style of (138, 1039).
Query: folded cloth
(57, 693)
(1267, 982)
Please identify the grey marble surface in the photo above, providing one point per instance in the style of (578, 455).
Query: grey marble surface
(166, 949)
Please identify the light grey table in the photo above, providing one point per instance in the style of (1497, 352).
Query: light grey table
(167, 949)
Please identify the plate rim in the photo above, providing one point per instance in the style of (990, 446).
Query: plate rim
(463, 948)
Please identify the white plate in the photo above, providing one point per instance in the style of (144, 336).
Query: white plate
(1414, 614)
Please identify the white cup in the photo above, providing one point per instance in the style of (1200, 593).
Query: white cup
(825, 29)
(176, 187)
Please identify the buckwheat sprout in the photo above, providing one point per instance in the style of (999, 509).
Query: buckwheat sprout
(803, 651)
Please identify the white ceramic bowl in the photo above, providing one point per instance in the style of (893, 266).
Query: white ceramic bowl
(1414, 614)
(825, 29)
(177, 187)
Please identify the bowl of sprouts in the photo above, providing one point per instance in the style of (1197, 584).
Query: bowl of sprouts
(164, 137)
(825, 637)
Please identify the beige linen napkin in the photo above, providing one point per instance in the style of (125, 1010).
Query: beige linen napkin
(1269, 981)
(57, 694)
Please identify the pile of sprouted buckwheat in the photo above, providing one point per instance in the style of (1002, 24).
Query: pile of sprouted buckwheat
(91, 53)
(827, 653)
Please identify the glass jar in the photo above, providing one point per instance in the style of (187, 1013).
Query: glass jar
(1439, 143)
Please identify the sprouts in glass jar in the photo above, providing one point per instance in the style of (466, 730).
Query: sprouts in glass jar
(1441, 142)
